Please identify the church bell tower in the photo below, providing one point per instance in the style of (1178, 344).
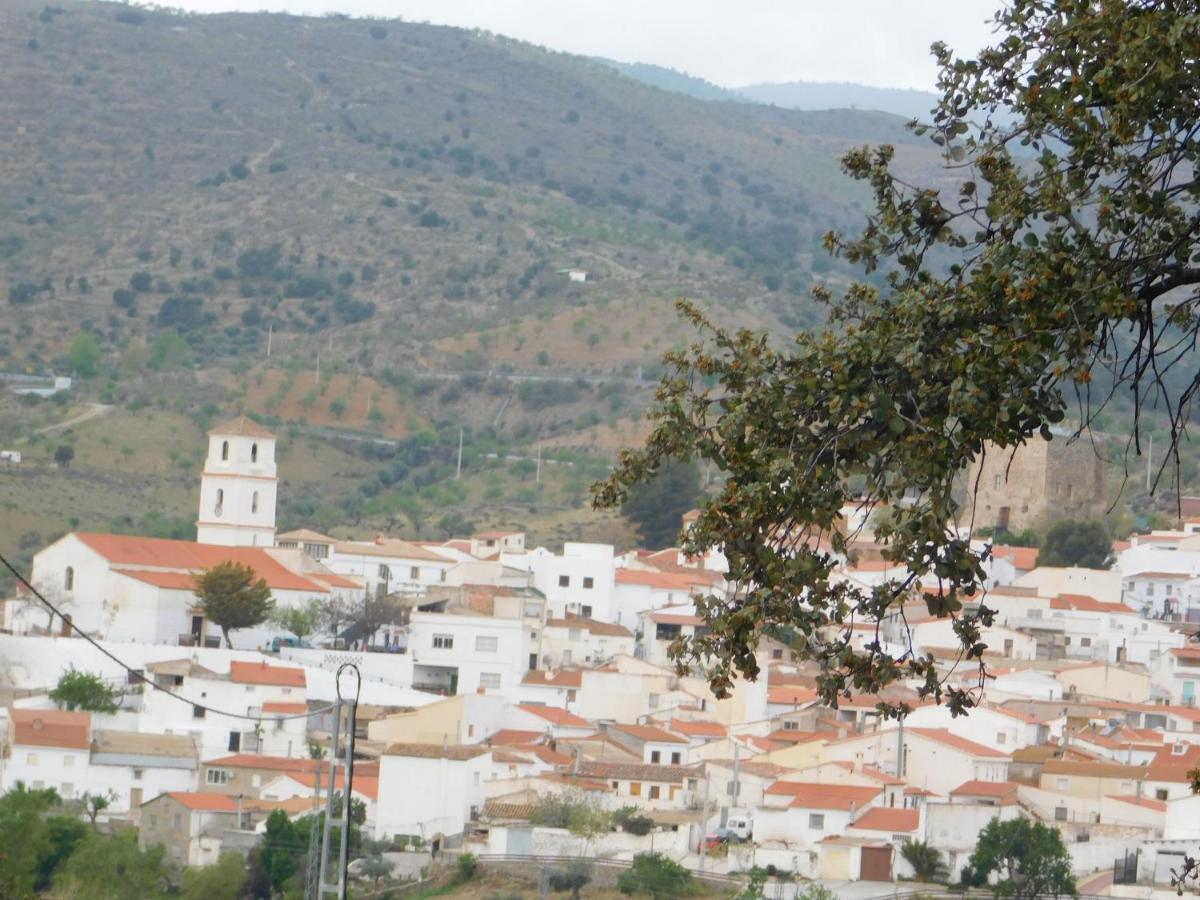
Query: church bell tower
(238, 486)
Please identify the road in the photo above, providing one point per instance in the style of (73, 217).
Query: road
(94, 411)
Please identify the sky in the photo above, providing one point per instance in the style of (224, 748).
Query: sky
(883, 43)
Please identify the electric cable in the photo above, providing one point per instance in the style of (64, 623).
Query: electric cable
(141, 677)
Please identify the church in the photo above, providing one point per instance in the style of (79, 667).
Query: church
(130, 588)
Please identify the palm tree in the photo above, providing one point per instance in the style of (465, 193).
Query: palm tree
(926, 862)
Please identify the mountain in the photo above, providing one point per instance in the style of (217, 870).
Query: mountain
(811, 95)
(672, 80)
(364, 233)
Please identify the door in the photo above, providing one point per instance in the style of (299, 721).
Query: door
(520, 842)
(1002, 519)
(235, 741)
(876, 864)
(197, 628)
(135, 798)
(532, 662)
(454, 683)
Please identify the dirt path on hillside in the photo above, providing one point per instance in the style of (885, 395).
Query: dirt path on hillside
(94, 411)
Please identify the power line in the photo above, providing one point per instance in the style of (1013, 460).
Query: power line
(142, 679)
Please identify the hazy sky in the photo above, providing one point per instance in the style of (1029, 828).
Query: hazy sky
(730, 42)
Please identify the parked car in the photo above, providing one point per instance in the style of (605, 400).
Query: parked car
(288, 641)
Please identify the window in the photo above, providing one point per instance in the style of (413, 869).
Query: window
(571, 695)
(588, 582)
(1085, 642)
(217, 776)
(816, 821)
(574, 634)
(566, 657)
(154, 821)
(489, 680)
(220, 502)
(585, 611)
(653, 701)
(1160, 794)
(31, 759)
(414, 573)
(255, 781)
(69, 579)
(250, 688)
(655, 791)
(1035, 613)
(224, 450)
(998, 482)
(254, 502)
(137, 774)
(564, 580)
(254, 453)
(476, 779)
(485, 643)
(443, 642)
(1062, 783)
(635, 789)
(655, 756)
(235, 741)
(68, 761)
(177, 821)
(197, 712)
(67, 790)
(675, 759)
(1067, 640)
(1060, 813)
(791, 726)
(385, 574)
(1001, 737)
(777, 654)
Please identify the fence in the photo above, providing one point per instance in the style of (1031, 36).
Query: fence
(1125, 869)
(613, 866)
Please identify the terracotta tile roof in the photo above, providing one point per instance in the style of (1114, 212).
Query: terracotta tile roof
(1161, 576)
(1186, 652)
(129, 551)
(811, 795)
(390, 547)
(1083, 603)
(52, 728)
(285, 764)
(670, 619)
(790, 695)
(243, 426)
(792, 736)
(545, 754)
(335, 580)
(637, 771)
(1020, 557)
(261, 673)
(942, 736)
(368, 786)
(507, 756)
(604, 629)
(171, 746)
(995, 789)
(1146, 802)
(555, 716)
(513, 736)
(694, 728)
(457, 753)
(495, 809)
(1089, 769)
(766, 745)
(172, 581)
(751, 767)
(290, 709)
(494, 535)
(565, 678)
(881, 776)
(305, 534)
(204, 801)
(1177, 754)
(881, 818)
(648, 733)
(663, 581)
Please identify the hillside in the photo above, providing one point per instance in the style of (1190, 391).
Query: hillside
(812, 95)
(390, 211)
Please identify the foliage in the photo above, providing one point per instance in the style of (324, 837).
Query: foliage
(64, 454)
(375, 867)
(816, 891)
(656, 875)
(468, 867)
(574, 878)
(754, 887)
(84, 355)
(299, 620)
(277, 853)
(574, 811)
(1028, 858)
(1085, 544)
(84, 690)
(29, 854)
(114, 868)
(371, 612)
(986, 312)
(926, 861)
(94, 804)
(632, 821)
(232, 596)
(657, 505)
(222, 881)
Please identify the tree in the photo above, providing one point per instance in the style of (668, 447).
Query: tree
(656, 875)
(1085, 544)
(84, 355)
(371, 612)
(25, 837)
(926, 861)
(574, 878)
(1027, 857)
(94, 804)
(574, 811)
(63, 454)
(85, 690)
(299, 620)
(223, 881)
(656, 506)
(114, 868)
(468, 867)
(231, 596)
(1058, 270)
(277, 853)
(375, 868)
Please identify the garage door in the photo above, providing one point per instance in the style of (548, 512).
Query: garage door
(876, 864)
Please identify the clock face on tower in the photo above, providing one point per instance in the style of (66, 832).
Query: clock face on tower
(238, 486)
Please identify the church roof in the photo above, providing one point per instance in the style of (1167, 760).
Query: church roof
(242, 425)
(133, 556)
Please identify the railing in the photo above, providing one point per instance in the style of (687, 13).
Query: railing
(485, 858)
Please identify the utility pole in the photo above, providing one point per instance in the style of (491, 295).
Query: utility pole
(270, 333)
(317, 377)
(458, 472)
(704, 819)
(1149, 457)
(539, 463)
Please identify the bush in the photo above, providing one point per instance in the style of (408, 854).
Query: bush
(430, 219)
(468, 866)
(656, 875)
(574, 878)
(378, 32)
(130, 17)
(277, 166)
(183, 313)
(124, 297)
(140, 281)
(23, 292)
